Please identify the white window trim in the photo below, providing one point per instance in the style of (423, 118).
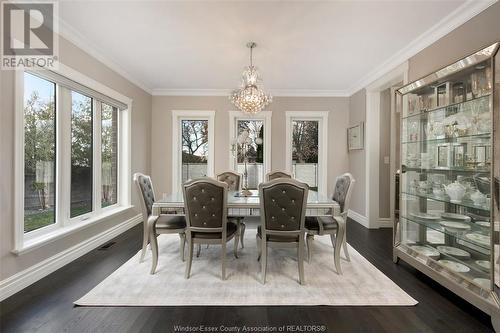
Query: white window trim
(322, 117)
(177, 117)
(25, 242)
(266, 117)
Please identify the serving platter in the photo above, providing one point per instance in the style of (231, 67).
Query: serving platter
(453, 251)
(454, 266)
(454, 216)
(484, 264)
(479, 238)
(425, 216)
(483, 283)
(427, 251)
(455, 225)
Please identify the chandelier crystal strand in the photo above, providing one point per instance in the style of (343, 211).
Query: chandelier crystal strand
(250, 98)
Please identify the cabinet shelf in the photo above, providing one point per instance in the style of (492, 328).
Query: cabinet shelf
(444, 107)
(456, 139)
(445, 199)
(459, 235)
(455, 170)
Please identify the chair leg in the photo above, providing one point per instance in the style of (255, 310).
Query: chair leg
(145, 240)
(223, 260)
(190, 258)
(236, 240)
(300, 254)
(183, 245)
(345, 248)
(259, 248)
(337, 247)
(263, 261)
(309, 240)
(198, 251)
(242, 233)
(154, 247)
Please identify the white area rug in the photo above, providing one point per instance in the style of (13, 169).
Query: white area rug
(132, 285)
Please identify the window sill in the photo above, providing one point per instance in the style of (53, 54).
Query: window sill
(52, 236)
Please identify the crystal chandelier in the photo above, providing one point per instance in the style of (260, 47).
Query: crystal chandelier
(250, 98)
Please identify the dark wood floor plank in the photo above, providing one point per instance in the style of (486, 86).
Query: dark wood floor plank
(47, 306)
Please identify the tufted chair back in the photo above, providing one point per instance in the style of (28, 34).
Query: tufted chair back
(342, 192)
(232, 179)
(277, 174)
(146, 193)
(205, 203)
(283, 204)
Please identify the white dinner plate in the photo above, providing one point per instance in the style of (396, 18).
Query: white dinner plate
(483, 283)
(484, 224)
(453, 251)
(453, 216)
(484, 264)
(479, 238)
(426, 216)
(454, 266)
(455, 225)
(427, 251)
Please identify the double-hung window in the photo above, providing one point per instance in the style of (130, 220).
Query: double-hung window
(306, 145)
(71, 152)
(255, 160)
(193, 146)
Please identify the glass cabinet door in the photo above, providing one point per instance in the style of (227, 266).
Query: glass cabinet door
(446, 183)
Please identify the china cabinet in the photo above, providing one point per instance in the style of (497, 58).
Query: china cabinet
(446, 223)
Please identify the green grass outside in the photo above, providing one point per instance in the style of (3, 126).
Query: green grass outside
(44, 218)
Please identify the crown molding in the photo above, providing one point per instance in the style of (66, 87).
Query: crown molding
(275, 92)
(71, 34)
(456, 18)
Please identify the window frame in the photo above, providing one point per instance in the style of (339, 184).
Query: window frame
(266, 118)
(64, 225)
(177, 117)
(322, 118)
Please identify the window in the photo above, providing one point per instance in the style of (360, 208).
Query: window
(192, 146)
(194, 135)
(109, 154)
(305, 152)
(259, 151)
(69, 154)
(306, 148)
(81, 154)
(39, 152)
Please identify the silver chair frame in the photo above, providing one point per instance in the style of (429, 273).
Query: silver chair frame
(150, 231)
(189, 229)
(263, 243)
(270, 174)
(239, 219)
(335, 234)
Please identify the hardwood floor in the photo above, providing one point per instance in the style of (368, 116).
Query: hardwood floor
(47, 306)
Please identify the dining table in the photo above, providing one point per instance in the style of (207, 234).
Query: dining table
(318, 204)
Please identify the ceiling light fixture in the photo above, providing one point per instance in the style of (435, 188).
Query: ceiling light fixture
(250, 98)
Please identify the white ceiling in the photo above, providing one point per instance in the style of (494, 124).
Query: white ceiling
(182, 47)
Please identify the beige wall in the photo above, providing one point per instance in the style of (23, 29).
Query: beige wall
(73, 57)
(162, 126)
(357, 158)
(479, 32)
(385, 150)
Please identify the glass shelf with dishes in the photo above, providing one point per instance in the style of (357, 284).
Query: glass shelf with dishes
(444, 223)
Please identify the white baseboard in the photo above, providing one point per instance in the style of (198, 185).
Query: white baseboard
(23, 279)
(361, 219)
(384, 222)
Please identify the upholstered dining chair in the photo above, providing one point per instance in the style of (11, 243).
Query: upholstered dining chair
(233, 181)
(154, 225)
(283, 208)
(334, 226)
(277, 174)
(205, 201)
